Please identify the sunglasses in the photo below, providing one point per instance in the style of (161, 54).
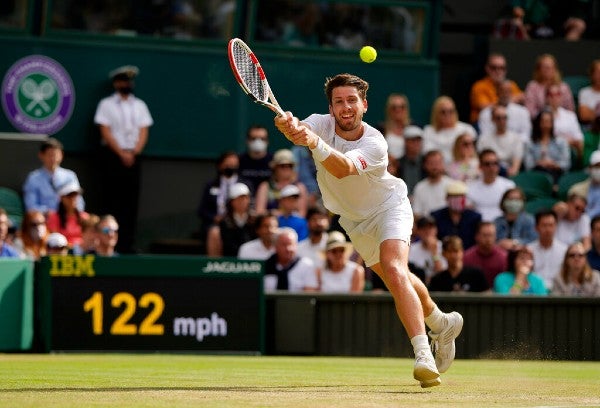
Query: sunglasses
(286, 166)
(500, 117)
(489, 163)
(497, 67)
(575, 255)
(447, 111)
(107, 230)
(398, 106)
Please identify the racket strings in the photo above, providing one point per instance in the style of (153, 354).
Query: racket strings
(248, 72)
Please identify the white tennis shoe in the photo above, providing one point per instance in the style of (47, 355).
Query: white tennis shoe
(442, 343)
(425, 370)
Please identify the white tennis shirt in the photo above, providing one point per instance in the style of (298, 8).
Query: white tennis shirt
(373, 190)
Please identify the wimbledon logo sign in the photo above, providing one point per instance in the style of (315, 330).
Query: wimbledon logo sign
(38, 95)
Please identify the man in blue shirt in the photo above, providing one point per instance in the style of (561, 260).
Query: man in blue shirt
(41, 186)
(6, 251)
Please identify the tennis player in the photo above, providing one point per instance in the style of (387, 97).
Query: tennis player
(351, 159)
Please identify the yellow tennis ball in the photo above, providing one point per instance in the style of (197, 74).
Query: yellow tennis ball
(368, 54)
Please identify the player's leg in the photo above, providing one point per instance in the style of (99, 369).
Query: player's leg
(445, 327)
(393, 270)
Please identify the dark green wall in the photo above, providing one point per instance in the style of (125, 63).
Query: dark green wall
(198, 108)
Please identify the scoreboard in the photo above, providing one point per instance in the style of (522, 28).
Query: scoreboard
(152, 303)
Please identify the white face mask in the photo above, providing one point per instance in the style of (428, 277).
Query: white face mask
(257, 146)
(595, 174)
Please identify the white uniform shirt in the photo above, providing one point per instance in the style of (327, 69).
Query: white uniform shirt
(124, 117)
(346, 196)
(486, 197)
(338, 282)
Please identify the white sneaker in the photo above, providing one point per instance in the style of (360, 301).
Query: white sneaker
(442, 343)
(425, 370)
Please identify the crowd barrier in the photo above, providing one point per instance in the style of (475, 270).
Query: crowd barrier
(217, 305)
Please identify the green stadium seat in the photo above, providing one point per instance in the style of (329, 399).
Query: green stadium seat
(11, 201)
(576, 82)
(542, 203)
(535, 184)
(567, 180)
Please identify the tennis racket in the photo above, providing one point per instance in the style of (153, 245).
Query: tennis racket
(250, 75)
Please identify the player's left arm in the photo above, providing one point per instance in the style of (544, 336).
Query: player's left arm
(300, 134)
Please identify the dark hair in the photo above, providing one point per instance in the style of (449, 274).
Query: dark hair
(451, 242)
(594, 221)
(482, 224)
(485, 152)
(544, 213)
(507, 192)
(225, 155)
(536, 132)
(317, 209)
(513, 254)
(258, 220)
(339, 80)
(255, 127)
(50, 143)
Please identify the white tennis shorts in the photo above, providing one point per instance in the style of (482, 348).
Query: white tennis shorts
(367, 235)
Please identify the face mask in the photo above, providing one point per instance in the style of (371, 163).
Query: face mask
(595, 174)
(125, 90)
(513, 205)
(457, 203)
(257, 146)
(229, 171)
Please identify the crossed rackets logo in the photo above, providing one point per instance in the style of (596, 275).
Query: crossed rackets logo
(38, 96)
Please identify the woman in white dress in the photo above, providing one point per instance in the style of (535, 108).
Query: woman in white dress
(339, 274)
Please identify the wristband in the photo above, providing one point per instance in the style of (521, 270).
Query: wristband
(322, 151)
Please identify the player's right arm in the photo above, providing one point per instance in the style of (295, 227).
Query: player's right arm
(299, 133)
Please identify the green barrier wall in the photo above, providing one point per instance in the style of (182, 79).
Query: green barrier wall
(198, 108)
(16, 304)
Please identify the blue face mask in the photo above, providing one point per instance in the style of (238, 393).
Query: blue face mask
(513, 205)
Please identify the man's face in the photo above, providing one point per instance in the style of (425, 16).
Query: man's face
(108, 233)
(486, 237)
(496, 69)
(347, 107)
(3, 227)
(318, 223)
(500, 117)
(453, 256)
(286, 248)
(546, 227)
(434, 165)
(490, 167)
(596, 232)
(51, 158)
(267, 229)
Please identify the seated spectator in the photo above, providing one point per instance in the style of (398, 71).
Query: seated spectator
(573, 223)
(263, 246)
(213, 204)
(284, 173)
(31, 241)
(6, 250)
(254, 162)
(426, 253)
(456, 218)
(546, 73)
(89, 235)
(457, 278)
(465, 163)
(566, 124)
(484, 92)
(590, 188)
(235, 228)
(107, 231)
(285, 270)
(67, 218)
(339, 274)
(576, 277)
(514, 227)
(410, 165)
(430, 193)
(519, 120)
(314, 245)
(593, 255)
(546, 152)
(444, 128)
(591, 140)
(520, 278)
(589, 96)
(40, 187)
(485, 193)
(548, 251)
(397, 118)
(307, 174)
(486, 254)
(288, 211)
(57, 244)
(508, 145)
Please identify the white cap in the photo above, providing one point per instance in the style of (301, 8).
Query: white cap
(456, 188)
(595, 158)
(238, 190)
(412, 132)
(124, 72)
(71, 187)
(289, 191)
(57, 240)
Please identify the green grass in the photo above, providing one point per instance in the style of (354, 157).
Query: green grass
(163, 380)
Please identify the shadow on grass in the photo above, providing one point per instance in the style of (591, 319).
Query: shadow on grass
(293, 388)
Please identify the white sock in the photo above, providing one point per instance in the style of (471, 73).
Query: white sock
(435, 321)
(420, 342)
